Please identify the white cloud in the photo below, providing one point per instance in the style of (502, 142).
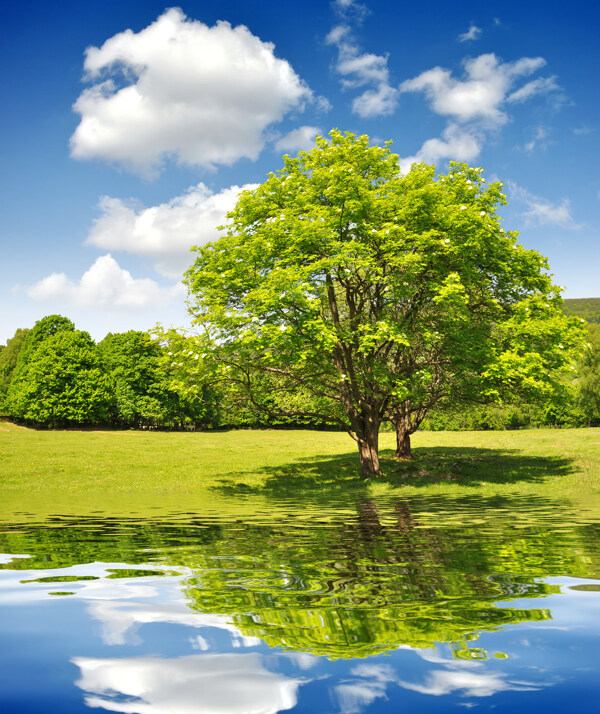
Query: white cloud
(182, 90)
(164, 233)
(104, 285)
(542, 212)
(376, 102)
(301, 139)
(543, 85)
(457, 143)
(480, 95)
(361, 69)
(120, 620)
(475, 104)
(195, 684)
(370, 683)
(472, 684)
(350, 9)
(472, 34)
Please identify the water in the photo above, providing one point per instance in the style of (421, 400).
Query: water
(354, 605)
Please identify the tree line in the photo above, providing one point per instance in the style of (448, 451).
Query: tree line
(588, 308)
(55, 376)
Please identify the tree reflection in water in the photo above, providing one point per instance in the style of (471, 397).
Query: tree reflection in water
(367, 586)
(387, 577)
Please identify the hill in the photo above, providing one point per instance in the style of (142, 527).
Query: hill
(588, 308)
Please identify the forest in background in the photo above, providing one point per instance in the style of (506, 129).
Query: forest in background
(587, 308)
(55, 376)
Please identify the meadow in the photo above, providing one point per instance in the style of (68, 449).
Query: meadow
(117, 469)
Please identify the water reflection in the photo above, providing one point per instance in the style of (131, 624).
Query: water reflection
(197, 684)
(392, 605)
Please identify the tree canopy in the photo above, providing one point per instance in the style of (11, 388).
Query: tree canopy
(377, 293)
(8, 360)
(62, 380)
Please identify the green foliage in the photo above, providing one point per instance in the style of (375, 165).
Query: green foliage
(586, 308)
(8, 361)
(42, 330)
(15, 402)
(62, 381)
(589, 377)
(561, 411)
(377, 293)
(189, 374)
(134, 362)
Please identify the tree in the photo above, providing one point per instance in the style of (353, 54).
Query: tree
(376, 292)
(8, 361)
(62, 382)
(15, 402)
(133, 361)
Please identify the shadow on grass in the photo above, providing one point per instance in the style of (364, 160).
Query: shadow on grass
(472, 468)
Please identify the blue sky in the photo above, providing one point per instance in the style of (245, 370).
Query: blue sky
(127, 129)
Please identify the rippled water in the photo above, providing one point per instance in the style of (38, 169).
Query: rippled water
(351, 606)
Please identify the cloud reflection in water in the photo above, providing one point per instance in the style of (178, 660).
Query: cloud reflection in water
(196, 684)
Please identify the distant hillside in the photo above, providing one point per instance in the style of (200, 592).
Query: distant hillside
(588, 308)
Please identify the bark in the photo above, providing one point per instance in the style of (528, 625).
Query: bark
(368, 449)
(403, 450)
(406, 423)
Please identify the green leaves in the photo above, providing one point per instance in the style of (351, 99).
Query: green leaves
(62, 381)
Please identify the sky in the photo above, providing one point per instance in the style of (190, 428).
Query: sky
(127, 130)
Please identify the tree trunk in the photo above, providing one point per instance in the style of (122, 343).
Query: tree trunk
(403, 450)
(404, 428)
(368, 449)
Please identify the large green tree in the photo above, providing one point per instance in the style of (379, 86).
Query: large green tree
(376, 292)
(59, 379)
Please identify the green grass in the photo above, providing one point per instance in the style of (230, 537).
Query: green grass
(283, 463)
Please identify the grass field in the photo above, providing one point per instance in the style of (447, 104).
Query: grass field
(283, 463)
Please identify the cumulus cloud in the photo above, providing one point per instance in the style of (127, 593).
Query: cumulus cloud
(471, 34)
(301, 139)
(120, 619)
(104, 285)
(181, 90)
(474, 104)
(456, 143)
(361, 69)
(482, 92)
(376, 102)
(164, 233)
(350, 10)
(542, 212)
